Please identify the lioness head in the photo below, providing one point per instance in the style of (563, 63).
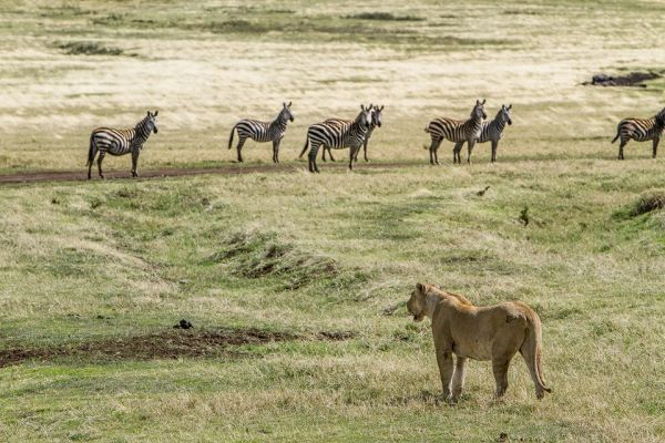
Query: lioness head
(416, 304)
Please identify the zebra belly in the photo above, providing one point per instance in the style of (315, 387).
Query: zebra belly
(111, 144)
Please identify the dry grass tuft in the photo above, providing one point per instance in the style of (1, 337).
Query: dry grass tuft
(648, 203)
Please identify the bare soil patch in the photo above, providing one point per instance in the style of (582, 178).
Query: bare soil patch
(165, 345)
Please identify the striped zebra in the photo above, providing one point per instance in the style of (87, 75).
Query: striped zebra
(457, 131)
(641, 130)
(120, 142)
(337, 136)
(376, 123)
(493, 130)
(262, 132)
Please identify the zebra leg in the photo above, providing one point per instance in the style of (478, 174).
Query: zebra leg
(135, 160)
(469, 147)
(353, 153)
(365, 150)
(241, 142)
(91, 161)
(323, 154)
(275, 150)
(495, 145)
(99, 163)
(655, 147)
(456, 152)
(433, 147)
(623, 143)
(332, 159)
(436, 151)
(313, 151)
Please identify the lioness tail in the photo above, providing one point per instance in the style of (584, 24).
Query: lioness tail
(532, 351)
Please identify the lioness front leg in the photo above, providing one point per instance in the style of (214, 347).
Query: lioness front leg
(458, 378)
(445, 359)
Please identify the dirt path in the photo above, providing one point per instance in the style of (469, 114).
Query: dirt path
(235, 169)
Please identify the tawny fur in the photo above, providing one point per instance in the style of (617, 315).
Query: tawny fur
(493, 333)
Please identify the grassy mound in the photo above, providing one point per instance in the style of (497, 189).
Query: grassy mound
(385, 16)
(648, 203)
(87, 48)
(254, 254)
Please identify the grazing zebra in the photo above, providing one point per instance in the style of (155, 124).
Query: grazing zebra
(120, 142)
(337, 136)
(492, 130)
(641, 130)
(262, 132)
(376, 122)
(456, 131)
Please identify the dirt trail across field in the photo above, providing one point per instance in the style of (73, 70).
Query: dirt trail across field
(230, 169)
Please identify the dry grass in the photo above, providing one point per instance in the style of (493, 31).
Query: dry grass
(96, 262)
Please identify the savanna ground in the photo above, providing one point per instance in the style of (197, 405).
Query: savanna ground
(296, 283)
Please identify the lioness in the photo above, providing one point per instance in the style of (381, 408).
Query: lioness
(481, 333)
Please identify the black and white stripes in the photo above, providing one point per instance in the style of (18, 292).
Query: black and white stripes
(376, 122)
(262, 132)
(457, 131)
(337, 135)
(641, 130)
(120, 142)
(492, 131)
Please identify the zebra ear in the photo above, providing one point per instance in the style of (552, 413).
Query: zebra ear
(484, 100)
(382, 106)
(148, 114)
(289, 105)
(155, 114)
(510, 106)
(362, 107)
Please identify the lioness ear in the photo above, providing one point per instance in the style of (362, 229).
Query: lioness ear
(420, 287)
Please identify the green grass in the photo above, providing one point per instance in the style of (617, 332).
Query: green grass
(93, 275)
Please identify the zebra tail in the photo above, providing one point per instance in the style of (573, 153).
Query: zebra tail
(618, 134)
(304, 149)
(231, 137)
(91, 154)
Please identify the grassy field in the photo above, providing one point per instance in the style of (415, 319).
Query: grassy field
(296, 283)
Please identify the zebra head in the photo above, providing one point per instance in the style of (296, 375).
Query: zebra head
(504, 114)
(364, 119)
(150, 122)
(286, 114)
(479, 110)
(376, 116)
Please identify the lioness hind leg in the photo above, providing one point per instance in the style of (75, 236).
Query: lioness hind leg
(500, 369)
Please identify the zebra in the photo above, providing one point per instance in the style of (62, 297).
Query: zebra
(641, 130)
(262, 132)
(120, 142)
(337, 136)
(376, 122)
(492, 130)
(457, 131)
